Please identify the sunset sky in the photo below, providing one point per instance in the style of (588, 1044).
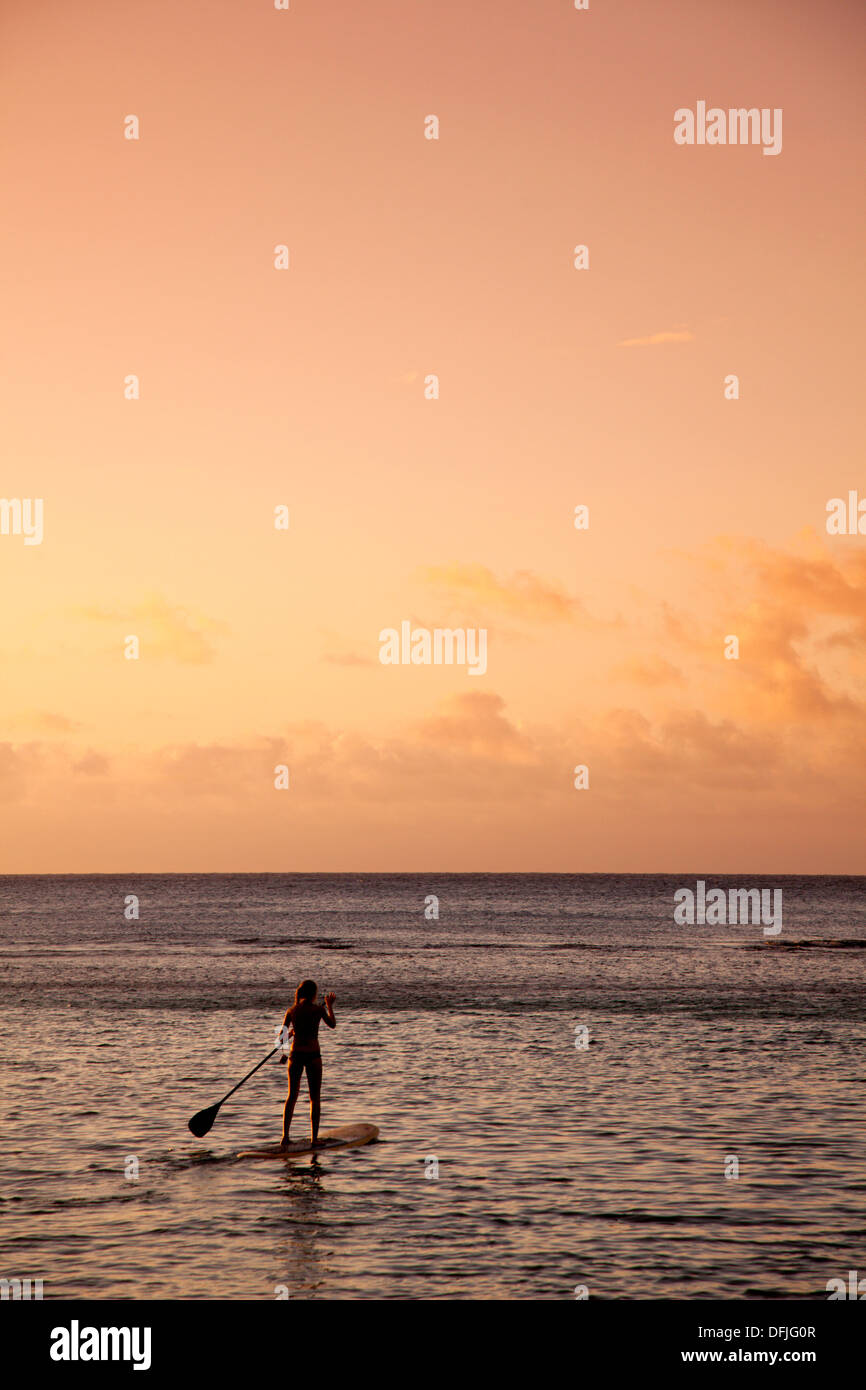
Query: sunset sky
(305, 387)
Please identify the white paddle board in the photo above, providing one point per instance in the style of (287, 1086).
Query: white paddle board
(348, 1137)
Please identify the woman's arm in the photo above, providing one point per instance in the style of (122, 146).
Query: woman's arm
(328, 1014)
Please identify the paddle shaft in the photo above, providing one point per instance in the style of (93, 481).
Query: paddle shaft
(248, 1075)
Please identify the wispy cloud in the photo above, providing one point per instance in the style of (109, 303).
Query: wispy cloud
(45, 721)
(668, 335)
(524, 595)
(167, 631)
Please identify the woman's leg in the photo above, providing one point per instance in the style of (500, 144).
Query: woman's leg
(314, 1081)
(295, 1073)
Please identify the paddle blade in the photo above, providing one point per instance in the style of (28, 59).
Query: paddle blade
(203, 1121)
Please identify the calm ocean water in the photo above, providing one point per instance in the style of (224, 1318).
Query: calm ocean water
(557, 1166)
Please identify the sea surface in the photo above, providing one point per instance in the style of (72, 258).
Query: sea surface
(511, 1164)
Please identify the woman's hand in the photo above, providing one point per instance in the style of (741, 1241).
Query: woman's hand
(330, 1000)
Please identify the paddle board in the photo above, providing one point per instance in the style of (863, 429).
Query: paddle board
(348, 1137)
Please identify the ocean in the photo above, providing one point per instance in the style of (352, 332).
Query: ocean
(576, 1095)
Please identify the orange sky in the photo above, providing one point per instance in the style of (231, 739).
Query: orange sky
(306, 387)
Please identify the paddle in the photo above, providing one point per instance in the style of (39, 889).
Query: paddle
(203, 1121)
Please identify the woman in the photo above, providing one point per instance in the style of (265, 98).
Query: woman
(304, 1016)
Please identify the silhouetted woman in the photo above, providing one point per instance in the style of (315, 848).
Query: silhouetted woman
(304, 1016)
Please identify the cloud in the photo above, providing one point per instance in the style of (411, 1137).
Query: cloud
(669, 335)
(222, 770)
(649, 671)
(760, 761)
(474, 724)
(825, 584)
(45, 721)
(686, 750)
(523, 596)
(92, 765)
(167, 631)
(471, 748)
(797, 614)
(21, 766)
(467, 787)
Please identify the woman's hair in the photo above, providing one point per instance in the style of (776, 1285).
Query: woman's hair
(307, 990)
